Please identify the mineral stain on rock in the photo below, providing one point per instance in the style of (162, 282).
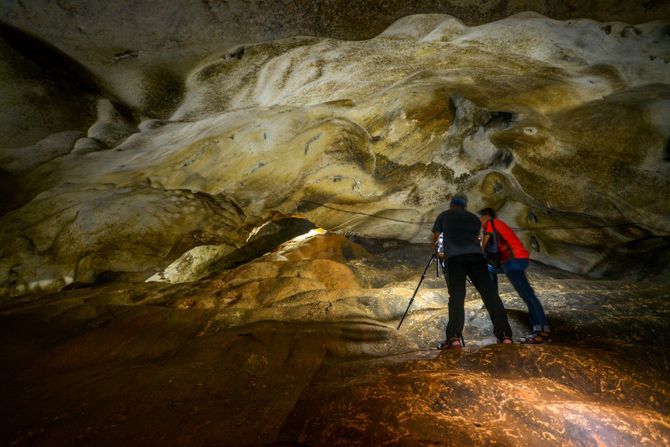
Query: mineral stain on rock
(311, 140)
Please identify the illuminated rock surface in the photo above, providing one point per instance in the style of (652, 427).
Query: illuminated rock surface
(301, 346)
(547, 121)
(163, 279)
(140, 51)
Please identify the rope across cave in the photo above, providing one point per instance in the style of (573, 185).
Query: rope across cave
(548, 227)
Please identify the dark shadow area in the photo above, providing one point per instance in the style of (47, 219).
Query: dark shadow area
(8, 185)
(646, 259)
(50, 62)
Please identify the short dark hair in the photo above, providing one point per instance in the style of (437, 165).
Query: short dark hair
(487, 212)
(459, 200)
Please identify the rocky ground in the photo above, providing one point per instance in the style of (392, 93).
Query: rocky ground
(300, 347)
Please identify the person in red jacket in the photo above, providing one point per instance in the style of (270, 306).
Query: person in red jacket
(514, 262)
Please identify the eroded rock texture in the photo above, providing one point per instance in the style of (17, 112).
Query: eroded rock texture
(300, 347)
(209, 239)
(561, 126)
(141, 51)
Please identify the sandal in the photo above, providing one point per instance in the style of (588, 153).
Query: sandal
(452, 343)
(505, 340)
(536, 338)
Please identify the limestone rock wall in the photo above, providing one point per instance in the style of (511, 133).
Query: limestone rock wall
(562, 126)
(137, 44)
(142, 50)
(42, 91)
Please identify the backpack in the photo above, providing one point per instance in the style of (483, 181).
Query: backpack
(492, 249)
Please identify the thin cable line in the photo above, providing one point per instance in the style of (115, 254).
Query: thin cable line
(409, 222)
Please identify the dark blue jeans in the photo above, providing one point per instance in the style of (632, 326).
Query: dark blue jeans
(473, 266)
(515, 270)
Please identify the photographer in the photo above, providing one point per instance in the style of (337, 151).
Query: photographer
(465, 258)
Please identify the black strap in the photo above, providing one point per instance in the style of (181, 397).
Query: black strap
(495, 236)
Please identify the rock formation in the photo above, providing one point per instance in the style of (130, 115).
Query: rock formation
(547, 121)
(140, 51)
(300, 346)
(210, 239)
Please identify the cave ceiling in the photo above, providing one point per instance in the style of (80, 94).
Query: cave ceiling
(156, 130)
(116, 40)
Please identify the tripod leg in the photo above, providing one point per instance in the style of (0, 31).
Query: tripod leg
(423, 276)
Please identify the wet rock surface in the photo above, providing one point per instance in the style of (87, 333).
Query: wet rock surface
(300, 346)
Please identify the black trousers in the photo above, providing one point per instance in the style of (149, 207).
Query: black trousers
(474, 267)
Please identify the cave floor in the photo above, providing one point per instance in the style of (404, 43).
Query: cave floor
(85, 367)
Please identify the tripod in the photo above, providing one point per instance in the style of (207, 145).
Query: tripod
(433, 257)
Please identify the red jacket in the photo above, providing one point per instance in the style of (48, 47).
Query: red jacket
(510, 245)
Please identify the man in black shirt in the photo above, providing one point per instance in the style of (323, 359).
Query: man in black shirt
(464, 257)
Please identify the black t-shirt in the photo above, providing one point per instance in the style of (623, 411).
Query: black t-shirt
(461, 231)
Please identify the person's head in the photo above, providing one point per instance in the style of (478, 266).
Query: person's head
(459, 200)
(486, 214)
